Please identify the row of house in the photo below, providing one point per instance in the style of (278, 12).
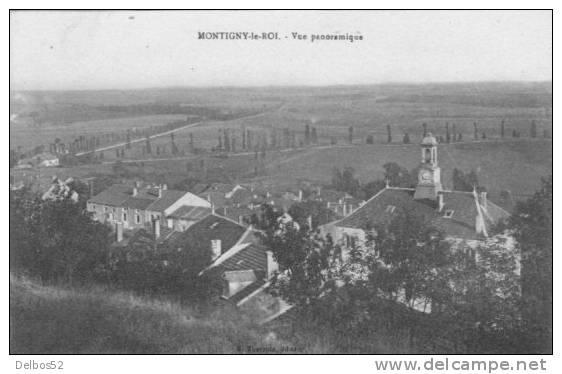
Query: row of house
(153, 216)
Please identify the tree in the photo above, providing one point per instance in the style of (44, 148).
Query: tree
(148, 146)
(371, 188)
(55, 239)
(398, 176)
(533, 130)
(311, 211)
(532, 228)
(502, 128)
(412, 252)
(344, 180)
(303, 260)
(464, 182)
(389, 134)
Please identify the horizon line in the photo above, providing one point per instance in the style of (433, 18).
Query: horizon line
(389, 83)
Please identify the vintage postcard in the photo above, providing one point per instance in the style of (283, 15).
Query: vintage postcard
(282, 182)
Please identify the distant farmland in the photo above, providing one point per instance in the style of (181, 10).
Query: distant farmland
(27, 135)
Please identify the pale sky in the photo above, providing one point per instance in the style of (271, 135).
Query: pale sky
(120, 50)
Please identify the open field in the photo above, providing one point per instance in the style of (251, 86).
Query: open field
(27, 135)
(511, 165)
(514, 164)
(63, 320)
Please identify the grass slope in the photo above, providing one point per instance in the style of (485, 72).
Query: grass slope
(55, 320)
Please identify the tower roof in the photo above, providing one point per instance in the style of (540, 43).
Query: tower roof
(429, 139)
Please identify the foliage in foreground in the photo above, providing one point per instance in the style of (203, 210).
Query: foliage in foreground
(63, 320)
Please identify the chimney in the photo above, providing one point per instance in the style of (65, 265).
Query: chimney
(215, 249)
(135, 191)
(300, 195)
(272, 265)
(156, 224)
(440, 202)
(159, 192)
(212, 208)
(164, 187)
(344, 210)
(119, 231)
(309, 221)
(241, 220)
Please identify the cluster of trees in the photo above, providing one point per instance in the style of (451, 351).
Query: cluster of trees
(394, 174)
(56, 240)
(478, 299)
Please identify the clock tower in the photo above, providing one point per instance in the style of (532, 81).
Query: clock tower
(429, 177)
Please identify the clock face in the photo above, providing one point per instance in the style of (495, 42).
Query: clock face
(425, 176)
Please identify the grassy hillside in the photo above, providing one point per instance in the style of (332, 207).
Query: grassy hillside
(55, 320)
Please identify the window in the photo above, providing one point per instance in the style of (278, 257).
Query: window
(448, 213)
(137, 218)
(124, 216)
(350, 241)
(390, 209)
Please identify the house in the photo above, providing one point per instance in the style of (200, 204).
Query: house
(45, 160)
(242, 264)
(138, 206)
(339, 202)
(60, 190)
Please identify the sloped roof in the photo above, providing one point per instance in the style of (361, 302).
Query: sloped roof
(115, 195)
(221, 187)
(382, 207)
(199, 188)
(212, 227)
(190, 212)
(137, 203)
(251, 257)
(121, 195)
(247, 291)
(168, 198)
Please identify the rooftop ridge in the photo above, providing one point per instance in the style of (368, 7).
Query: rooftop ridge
(227, 218)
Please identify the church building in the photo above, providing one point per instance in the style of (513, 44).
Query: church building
(461, 216)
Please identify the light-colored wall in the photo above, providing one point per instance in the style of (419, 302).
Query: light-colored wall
(232, 288)
(187, 199)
